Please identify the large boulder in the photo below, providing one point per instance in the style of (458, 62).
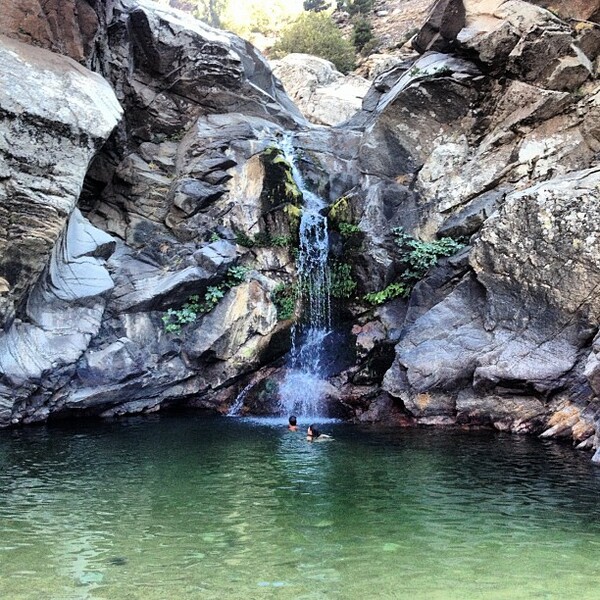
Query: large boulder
(48, 135)
(69, 27)
(523, 324)
(323, 94)
(528, 42)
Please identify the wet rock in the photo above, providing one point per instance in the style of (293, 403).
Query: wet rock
(519, 414)
(237, 329)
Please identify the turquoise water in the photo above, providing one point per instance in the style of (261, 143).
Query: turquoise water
(185, 507)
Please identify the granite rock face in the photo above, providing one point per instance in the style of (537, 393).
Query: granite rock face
(189, 171)
(323, 94)
(491, 141)
(47, 141)
(489, 136)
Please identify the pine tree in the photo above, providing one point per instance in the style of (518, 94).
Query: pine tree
(316, 5)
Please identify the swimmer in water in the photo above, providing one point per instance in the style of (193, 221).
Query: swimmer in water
(314, 435)
(292, 426)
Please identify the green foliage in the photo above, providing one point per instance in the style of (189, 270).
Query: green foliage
(356, 7)
(279, 186)
(316, 5)
(341, 210)
(421, 256)
(341, 283)
(391, 291)
(263, 240)
(236, 275)
(363, 32)
(348, 229)
(317, 34)
(252, 19)
(214, 237)
(210, 11)
(174, 319)
(284, 298)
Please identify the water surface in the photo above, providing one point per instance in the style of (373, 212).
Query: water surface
(185, 507)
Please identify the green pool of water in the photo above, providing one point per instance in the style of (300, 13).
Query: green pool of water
(178, 507)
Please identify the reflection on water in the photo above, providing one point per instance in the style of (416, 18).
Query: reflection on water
(185, 507)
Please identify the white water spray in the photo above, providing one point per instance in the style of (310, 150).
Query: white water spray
(238, 403)
(302, 389)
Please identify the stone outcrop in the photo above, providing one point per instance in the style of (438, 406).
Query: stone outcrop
(491, 141)
(489, 136)
(323, 94)
(192, 169)
(47, 142)
(74, 28)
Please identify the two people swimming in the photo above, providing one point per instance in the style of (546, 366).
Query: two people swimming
(312, 433)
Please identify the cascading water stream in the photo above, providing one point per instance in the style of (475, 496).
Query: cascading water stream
(302, 389)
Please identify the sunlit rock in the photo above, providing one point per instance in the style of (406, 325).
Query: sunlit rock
(323, 94)
(48, 135)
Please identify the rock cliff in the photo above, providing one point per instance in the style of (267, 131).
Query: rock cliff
(148, 218)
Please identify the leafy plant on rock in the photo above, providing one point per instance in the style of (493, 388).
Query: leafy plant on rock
(284, 298)
(342, 284)
(392, 291)
(174, 319)
(348, 229)
(421, 256)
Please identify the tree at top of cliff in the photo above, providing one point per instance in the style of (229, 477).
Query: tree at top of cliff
(316, 34)
(316, 5)
(355, 7)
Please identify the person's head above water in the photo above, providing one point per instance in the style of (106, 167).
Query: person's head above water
(292, 424)
(313, 431)
(292, 420)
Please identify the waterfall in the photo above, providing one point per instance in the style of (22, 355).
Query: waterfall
(238, 403)
(301, 391)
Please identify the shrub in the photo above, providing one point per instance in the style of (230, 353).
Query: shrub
(174, 319)
(391, 291)
(316, 5)
(341, 284)
(348, 229)
(421, 256)
(316, 34)
(363, 33)
(355, 7)
(284, 298)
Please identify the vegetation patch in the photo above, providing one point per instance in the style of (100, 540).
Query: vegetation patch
(342, 284)
(284, 297)
(279, 186)
(421, 256)
(316, 33)
(174, 319)
(264, 240)
(348, 229)
(394, 290)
